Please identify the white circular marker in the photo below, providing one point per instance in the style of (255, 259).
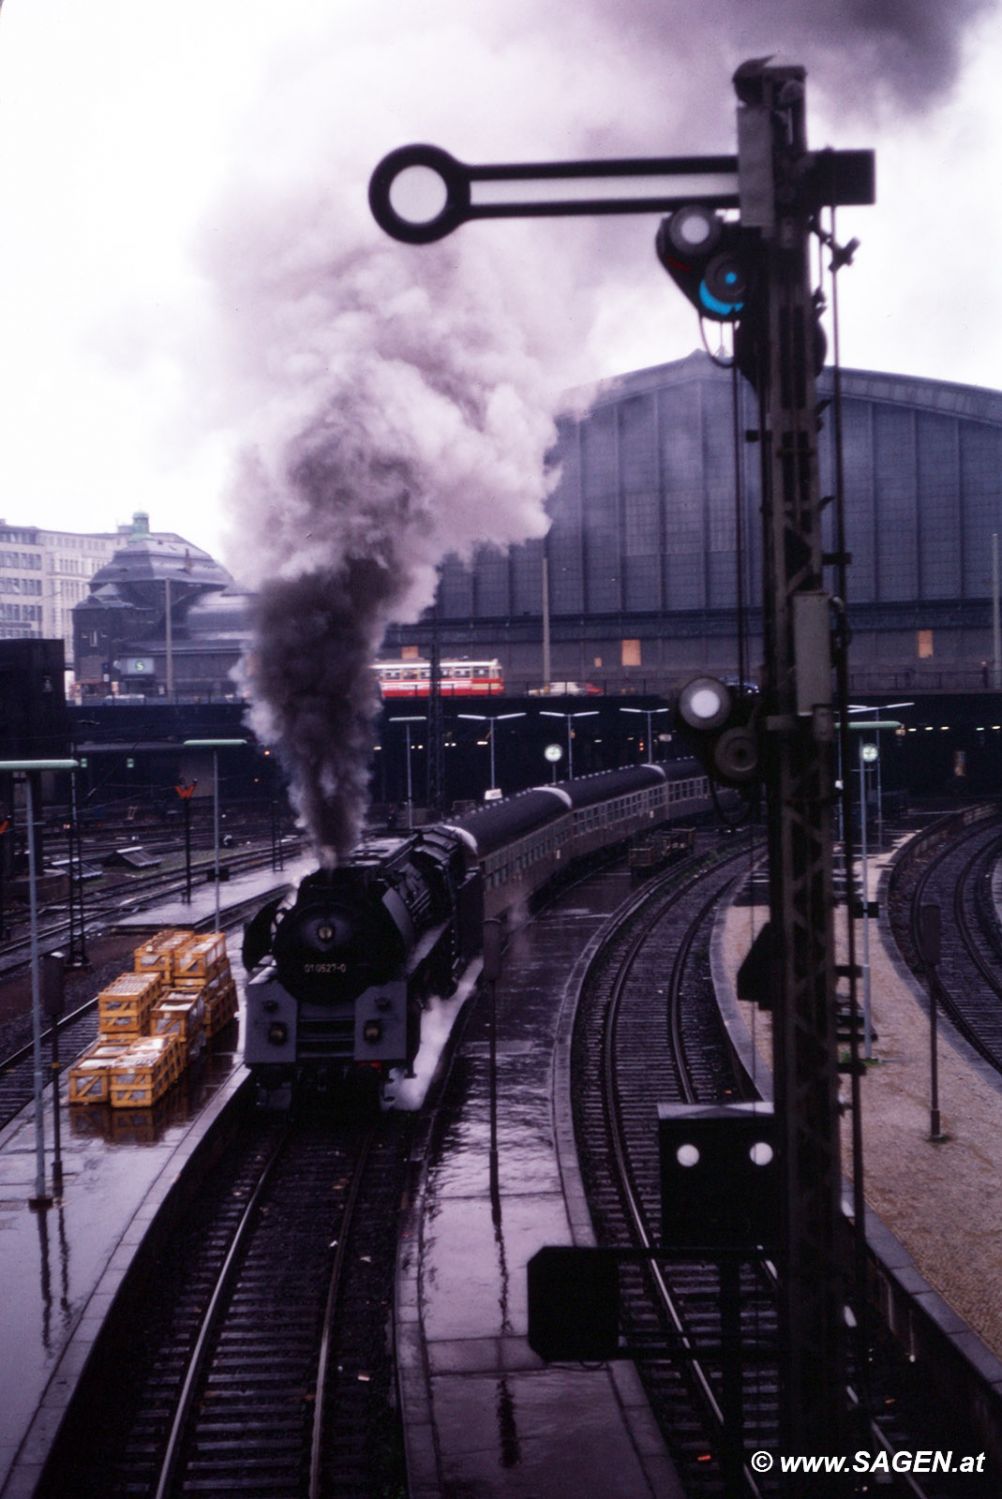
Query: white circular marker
(418, 195)
(687, 1155)
(704, 703)
(695, 230)
(553, 753)
(761, 1153)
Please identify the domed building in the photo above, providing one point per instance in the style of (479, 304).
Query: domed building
(163, 618)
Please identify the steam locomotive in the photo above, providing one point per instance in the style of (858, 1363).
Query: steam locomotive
(339, 976)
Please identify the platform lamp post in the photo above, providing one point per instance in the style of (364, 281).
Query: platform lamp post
(651, 714)
(491, 720)
(876, 711)
(583, 713)
(215, 745)
(28, 768)
(869, 753)
(77, 955)
(407, 721)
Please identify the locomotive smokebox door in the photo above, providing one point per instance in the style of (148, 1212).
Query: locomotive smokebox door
(719, 1176)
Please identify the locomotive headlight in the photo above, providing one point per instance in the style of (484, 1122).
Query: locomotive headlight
(372, 1031)
(278, 1033)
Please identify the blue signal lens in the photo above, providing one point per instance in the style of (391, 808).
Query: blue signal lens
(714, 305)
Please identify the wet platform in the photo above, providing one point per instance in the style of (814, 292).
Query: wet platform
(61, 1266)
(483, 1415)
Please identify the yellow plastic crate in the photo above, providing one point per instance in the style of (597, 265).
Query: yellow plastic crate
(124, 1007)
(90, 1075)
(200, 957)
(218, 994)
(220, 1007)
(181, 1015)
(157, 955)
(144, 1072)
(199, 983)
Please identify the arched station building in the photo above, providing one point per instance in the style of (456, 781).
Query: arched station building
(642, 554)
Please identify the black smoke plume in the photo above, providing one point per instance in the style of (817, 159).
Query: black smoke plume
(407, 419)
(315, 696)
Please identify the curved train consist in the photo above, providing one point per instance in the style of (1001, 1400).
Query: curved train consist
(339, 975)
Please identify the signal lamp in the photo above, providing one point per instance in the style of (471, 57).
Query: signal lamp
(694, 230)
(372, 1031)
(723, 730)
(707, 258)
(735, 755)
(724, 285)
(704, 703)
(278, 1033)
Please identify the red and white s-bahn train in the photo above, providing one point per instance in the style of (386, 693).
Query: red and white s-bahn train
(409, 679)
(341, 971)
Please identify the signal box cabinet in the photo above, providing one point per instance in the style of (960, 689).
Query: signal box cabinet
(719, 1176)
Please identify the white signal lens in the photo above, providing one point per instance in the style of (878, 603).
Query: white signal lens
(704, 703)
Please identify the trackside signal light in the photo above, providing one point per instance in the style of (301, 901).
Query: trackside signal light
(372, 1031)
(694, 230)
(705, 256)
(278, 1033)
(723, 730)
(704, 703)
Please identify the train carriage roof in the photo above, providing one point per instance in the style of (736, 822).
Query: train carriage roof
(587, 790)
(518, 815)
(514, 817)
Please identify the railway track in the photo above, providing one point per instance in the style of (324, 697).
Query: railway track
(639, 1044)
(252, 1359)
(649, 1032)
(125, 897)
(952, 867)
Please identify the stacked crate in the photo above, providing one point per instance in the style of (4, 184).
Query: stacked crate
(90, 1075)
(180, 1014)
(154, 1021)
(202, 967)
(157, 954)
(143, 1073)
(123, 1009)
(200, 957)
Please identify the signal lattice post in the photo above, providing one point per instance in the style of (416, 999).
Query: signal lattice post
(798, 763)
(753, 273)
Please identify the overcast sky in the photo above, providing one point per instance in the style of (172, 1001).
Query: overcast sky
(178, 180)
